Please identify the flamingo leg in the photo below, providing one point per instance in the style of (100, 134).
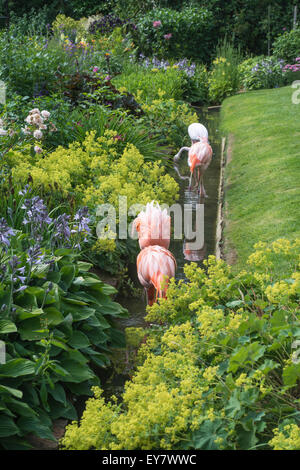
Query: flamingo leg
(202, 189)
(190, 182)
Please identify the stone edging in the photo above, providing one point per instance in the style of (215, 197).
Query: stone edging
(220, 215)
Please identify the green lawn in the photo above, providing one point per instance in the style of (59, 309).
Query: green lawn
(262, 188)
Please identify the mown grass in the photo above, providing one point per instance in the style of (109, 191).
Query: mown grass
(262, 192)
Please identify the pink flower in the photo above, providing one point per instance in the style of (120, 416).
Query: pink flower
(297, 59)
(95, 69)
(168, 36)
(156, 24)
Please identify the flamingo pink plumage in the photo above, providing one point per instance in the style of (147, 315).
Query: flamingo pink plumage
(155, 266)
(153, 226)
(199, 158)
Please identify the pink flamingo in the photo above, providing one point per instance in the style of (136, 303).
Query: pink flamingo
(155, 263)
(199, 158)
(155, 266)
(199, 155)
(153, 226)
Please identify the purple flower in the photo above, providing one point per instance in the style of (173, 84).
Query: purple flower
(34, 255)
(5, 233)
(82, 220)
(61, 226)
(168, 36)
(36, 215)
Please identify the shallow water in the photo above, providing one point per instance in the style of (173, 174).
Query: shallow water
(181, 248)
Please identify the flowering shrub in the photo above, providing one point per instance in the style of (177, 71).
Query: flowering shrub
(176, 34)
(169, 118)
(194, 77)
(106, 24)
(55, 318)
(262, 72)
(218, 370)
(224, 79)
(64, 25)
(287, 46)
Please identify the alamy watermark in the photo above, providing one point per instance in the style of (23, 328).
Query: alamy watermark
(2, 352)
(2, 92)
(296, 354)
(188, 222)
(296, 94)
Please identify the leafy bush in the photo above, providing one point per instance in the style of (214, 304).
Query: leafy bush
(176, 34)
(224, 79)
(56, 319)
(220, 373)
(150, 83)
(169, 119)
(262, 72)
(29, 64)
(287, 46)
(105, 25)
(69, 27)
(193, 77)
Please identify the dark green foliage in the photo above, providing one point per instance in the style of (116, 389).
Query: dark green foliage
(287, 46)
(191, 29)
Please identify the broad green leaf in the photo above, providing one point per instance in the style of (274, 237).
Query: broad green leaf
(79, 340)
(6, 326)
(8, 426)
(16, 368)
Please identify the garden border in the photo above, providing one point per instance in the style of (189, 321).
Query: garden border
(220, 214)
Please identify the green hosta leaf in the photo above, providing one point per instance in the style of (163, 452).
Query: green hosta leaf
(20, 408)
(7, 426)
(59, 394)
(67, 275)
(16, 368)
(60, 411)
(15, 443)
(38, 292)
(31, 330)
(77, 372)
(87, 281)
(96, 336)
(54, 276)
(24, 314)
(114, 309)
(63, 252)
(53, 316)
(108, 290)
(35, 426)
(84, 266)
(7, 326)
(10, 391)
(79, 340)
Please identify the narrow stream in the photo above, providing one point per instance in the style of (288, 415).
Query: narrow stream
(179, 248)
